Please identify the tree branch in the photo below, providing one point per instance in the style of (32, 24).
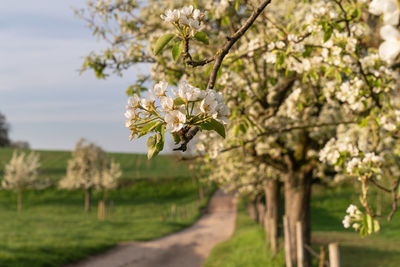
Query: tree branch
(232, 40)
(288, 129)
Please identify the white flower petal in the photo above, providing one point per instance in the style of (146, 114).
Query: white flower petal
(389, 50)
(376, 7)
(391, 18)
(389, 32)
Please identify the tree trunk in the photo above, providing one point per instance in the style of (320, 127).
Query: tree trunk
(87, 199)
(19, 200)
(260, 211)
(271, 221)
(252, 209)
(297, 209)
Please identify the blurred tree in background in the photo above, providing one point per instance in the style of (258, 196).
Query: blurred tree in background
(4, 129)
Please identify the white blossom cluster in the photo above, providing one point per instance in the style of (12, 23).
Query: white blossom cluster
(349, 92)
(187, 105)
(357, 164)
(290, 107)
(242, 175)
(211, 143)
(89, 168)
(219, 7)
(108, 177)
(21, 171)
(389, 122)
(186, 16)
(390, 48)
(333, 149)
(353, 217)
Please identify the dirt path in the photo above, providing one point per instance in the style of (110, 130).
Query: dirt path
(188, 248)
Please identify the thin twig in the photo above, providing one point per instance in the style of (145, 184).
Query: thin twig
(395, 198)
(380, 186)
(315, 254)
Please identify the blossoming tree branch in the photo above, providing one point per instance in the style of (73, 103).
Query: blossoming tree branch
(191, 108)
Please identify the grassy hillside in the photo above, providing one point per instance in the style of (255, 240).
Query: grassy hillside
(134, 166)
(53, 228)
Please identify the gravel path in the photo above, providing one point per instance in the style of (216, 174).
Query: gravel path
(188, 248)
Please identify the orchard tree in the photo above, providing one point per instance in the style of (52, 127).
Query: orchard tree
(108, 178)
(84, 170)
(310, 89)
(22, 173)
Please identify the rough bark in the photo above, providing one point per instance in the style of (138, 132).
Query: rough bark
(271, 221)
(297, 208)
(87, 199)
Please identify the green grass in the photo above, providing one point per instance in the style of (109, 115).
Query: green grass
(134, 166)
(328, 209)
(53, 228)
(245, 248)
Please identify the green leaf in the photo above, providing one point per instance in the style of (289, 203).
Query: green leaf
(177, 50)
(179, 101)
(212, 124)
(155, 143)
(369, 223)
(363, 231)
(377, 226)
(151, 146)
(160, 141)
(176, 138)
(307, 51)
(129, 90)
(162, 42)
(225, 21)
(357, 13)
(201, 37)
(328, 34)
(364, 227)
(237, 5)
(149, 127)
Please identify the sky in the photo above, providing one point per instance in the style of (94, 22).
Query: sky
(44, 98)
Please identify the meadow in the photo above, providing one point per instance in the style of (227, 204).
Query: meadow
(155, 198)
(247, 246)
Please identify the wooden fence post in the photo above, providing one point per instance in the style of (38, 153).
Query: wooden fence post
(334, 255)
(288, 257)
(101, 212)
(110, 208)
(322, 256)
(173, 211)
(300, 244)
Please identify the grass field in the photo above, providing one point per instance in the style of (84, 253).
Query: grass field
(247, 247)
(53, 228)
